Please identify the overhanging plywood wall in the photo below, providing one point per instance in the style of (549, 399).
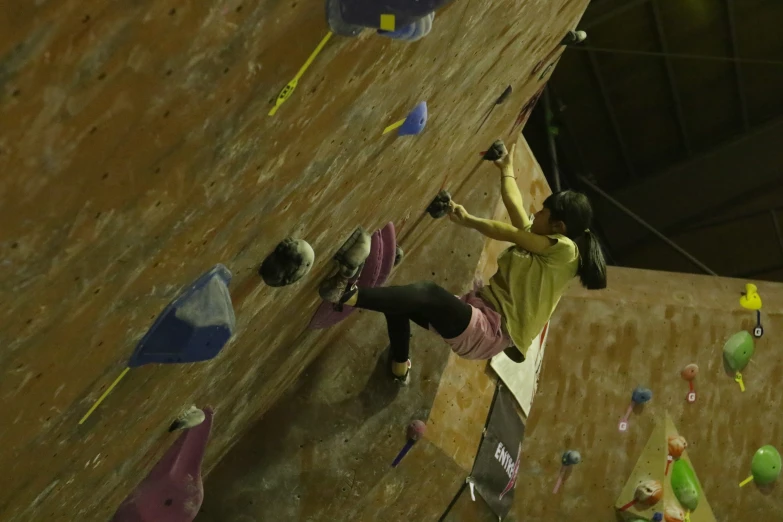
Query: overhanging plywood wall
(641, 331)
(137, 152)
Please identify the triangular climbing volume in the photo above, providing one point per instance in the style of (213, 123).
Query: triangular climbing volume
(682, 495)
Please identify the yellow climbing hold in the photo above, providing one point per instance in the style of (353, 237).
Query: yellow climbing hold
(751, 300)
(395, 125)
(738, 378)
(290, 86)
(104, 395)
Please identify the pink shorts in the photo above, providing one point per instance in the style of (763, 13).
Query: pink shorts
(483, 338)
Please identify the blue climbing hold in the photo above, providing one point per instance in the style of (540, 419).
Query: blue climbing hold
(348, 14)
(641, 395)
(412, 32)
(415, 122)
(194, 327)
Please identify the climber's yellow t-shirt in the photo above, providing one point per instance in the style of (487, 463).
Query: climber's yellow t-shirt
(527, 287)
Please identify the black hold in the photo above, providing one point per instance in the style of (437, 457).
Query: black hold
(291, 260)
(503, 97)
(496, 151)
(548, 68)
(574, 37)
(441, 205)
(398, 255)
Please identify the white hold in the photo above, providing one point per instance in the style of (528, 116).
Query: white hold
(188, 419)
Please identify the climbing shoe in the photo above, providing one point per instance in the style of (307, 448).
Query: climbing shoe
(403, 380)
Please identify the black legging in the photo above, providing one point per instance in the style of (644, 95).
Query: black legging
(425, 303)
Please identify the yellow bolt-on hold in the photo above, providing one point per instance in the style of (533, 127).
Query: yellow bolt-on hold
(290, 86)
(104, 395)
(393, 126)
(738, 378)
(750, 300)
(388, 22)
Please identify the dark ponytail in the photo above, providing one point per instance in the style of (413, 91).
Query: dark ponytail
(592, 266)
(574, 210)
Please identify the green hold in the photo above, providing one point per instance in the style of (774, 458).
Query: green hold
(766, 465)
(738, 350)
(685, 485)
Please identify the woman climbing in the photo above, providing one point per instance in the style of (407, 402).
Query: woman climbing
(513, 308)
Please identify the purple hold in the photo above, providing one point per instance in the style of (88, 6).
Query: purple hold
(642, 395)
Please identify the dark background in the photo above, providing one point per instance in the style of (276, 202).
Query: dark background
(694, 147)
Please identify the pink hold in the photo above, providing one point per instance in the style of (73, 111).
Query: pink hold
(416, 430)
(173, 491)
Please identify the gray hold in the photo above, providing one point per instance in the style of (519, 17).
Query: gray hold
(441, 205)
(574, 37)
(189, 418)
(398, 255)
(291, 260)
(571, 458)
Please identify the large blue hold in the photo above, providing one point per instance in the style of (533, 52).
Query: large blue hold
(412, 32)
(367, 13)
(194, 327)
(415, 122)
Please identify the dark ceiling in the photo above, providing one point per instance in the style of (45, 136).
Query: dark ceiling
(692, 144)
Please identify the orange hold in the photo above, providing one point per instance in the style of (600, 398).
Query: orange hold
(677, 445)
(690, 372)
(649, 492)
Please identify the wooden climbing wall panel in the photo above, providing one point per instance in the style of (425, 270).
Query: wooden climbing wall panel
(641, 331)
